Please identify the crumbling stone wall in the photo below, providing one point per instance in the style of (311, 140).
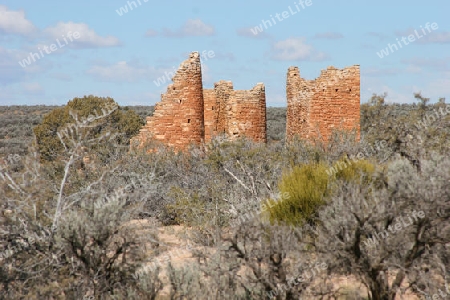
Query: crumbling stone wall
(316, 107)
(178, 118)
(188, 114)
(235, 113)
(216, 103)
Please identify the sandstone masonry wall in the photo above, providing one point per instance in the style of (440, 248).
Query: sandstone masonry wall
(247, 114)
(211, 109)
(188, 114)
(235, 113)
(178, 119)
(316, 107)
(216, 102)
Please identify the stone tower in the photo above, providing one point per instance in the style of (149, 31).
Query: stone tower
(235, 113)
(178, 119)
(316, 107)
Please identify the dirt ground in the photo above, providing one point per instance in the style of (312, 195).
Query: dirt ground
(173, 246)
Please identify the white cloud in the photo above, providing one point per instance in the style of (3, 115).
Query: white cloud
(139, 98)
(33, 88)
(197, 28)
(437, 88)
(413, 69)
(394, 95)
(119, 72)
(10, 70)
(440, 87)
(123, 71)
(61, 76)
(426, 36)
(206, 75)
(328, 35)
(436, 38)
(222, 56)
(14, 22)
(247, 32)
(276, 100)
(88, 37)
(404, 93)
(8, 96)
(368, 46)
(192, 27)
(437, 64)
(151, 33)
(380, 36)
(295, 49)
(374, 71)
(397, 95)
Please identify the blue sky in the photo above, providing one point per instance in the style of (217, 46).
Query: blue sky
(121, 54)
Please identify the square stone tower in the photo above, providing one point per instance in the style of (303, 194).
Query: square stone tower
(316, 107)
(235, 113)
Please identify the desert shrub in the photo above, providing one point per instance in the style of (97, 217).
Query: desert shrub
(398, 230)
(216, 188)
(102, 245)
(191, 210)
(359, 171)
(123, 123)
(90, 249)
(17, 123)
(94, 251)
(305, 187)
(410, 130)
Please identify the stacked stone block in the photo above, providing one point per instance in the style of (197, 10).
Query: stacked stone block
(316, 107)
(188, 114)
(235, 113)
(178, 119)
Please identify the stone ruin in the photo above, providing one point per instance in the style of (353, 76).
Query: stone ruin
(187, 113)
(235, 113)
(316, 107)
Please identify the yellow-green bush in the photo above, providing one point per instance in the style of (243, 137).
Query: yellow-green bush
(357, 171)
(306, 187)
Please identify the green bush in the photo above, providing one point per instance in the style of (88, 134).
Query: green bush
(357, 171)
(305, 188)
(126, 123)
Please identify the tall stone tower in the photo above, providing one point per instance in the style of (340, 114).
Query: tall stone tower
(316, 107)
(178, 119)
